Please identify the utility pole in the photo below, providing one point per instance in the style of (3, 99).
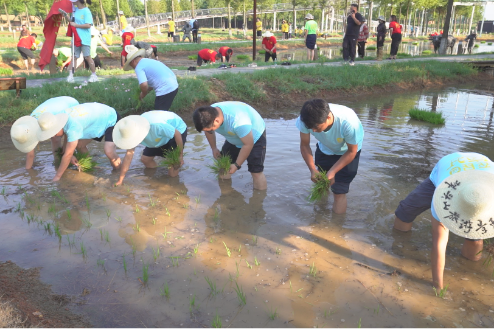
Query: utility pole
(482, 25)
(173, 12)
(118, 16)
(147, 18)
(444, 38)
(471, 20)
(254, 37)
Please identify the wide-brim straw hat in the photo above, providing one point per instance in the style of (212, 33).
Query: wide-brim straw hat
(132, 53)
(130, 131)
(267, 34)
(24, 133)
(309, 16)
(464, 204)
(50, 124)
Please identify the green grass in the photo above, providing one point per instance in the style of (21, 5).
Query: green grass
(241, 88)
(371, 48)
(221, 166)
(426, 52)
(320, 188)
(262, 52)
(86, 162)
(172, 158)
(273, 314)
(243, 57)
(192, 57)
(6, 71)
(427, 116)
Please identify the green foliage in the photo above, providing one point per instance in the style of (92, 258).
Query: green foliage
(320, 188)
(240, 88)
(192, 57)
(262, 52)
(216, 323)
(6, 71)
(371, 48)
(86, 162)
(426, 52)
(424, 115)
(172, 158)
(221, 166)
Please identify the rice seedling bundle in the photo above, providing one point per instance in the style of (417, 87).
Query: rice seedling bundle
(371, 48)
(86, 162)
(424, 115)
(262, 52)
(192, 57)
(172, 158)
(136, 96)
(426, 52)
(320, 188)
(221, 166)
(242, 57)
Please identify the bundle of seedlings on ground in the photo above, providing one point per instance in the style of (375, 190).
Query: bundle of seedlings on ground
(320, 188)
(172, 158)
(242, 57)
(192, 57)
(371, 48)
(489, 250)
(221, 166)
(426, 52)
(58, 156)
(427, 116)
(86, 162)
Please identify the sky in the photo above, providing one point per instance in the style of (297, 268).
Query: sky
(489, 12)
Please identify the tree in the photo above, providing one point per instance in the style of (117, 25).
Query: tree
(147, 17)
(444, 38)
(137, 7)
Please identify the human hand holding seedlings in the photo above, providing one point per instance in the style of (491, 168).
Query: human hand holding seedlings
(66, 159)
(74, 161)
(216, 153)
(244, 153)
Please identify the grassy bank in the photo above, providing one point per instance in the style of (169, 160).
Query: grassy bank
(262, 88)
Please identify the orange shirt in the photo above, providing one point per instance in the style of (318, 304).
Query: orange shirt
(395, 26)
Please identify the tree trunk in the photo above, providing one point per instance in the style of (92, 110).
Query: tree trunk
(444, 39)
(371, 7)
(229, 20)
(8, 17)
(147, 17)
(192, 8)
(28, 21)
(391, 10)
(399, 13)
(102, 12)
(469, 26)
(345, 11)
(173, 12)
(118, 16)
(245, 20)
(406, 18)
(414, 25)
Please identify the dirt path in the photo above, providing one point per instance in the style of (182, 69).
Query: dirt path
(34, 302)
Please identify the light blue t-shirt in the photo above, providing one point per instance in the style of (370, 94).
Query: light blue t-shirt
(158, 76)
(191, 23)
(346, 128)
(162, 130)
(239, 120)
(84, 16)
(55, 105)
(455, 163)
(89, 120)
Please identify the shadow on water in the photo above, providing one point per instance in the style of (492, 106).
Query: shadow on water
(297, 264)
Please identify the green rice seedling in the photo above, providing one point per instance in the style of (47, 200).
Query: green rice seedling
(29, 218)
(273, 314)
(427, 116)
(238, 272)
(103, 196)
(254, 240)
(69, 216)
(172, 158)
(371, 48)
(185, 206)
(476, 46)
(134, 249)
(221, 166)
(57, 194)
(167, 212)
(165, 234)
(442, 292)
(3, 190)
(101, 233)
(248, 265)
(313, 270)
(154, 221)
(51, 209)
(278, 251)
(228, 252)
(376, 310)
(156, 253)
(136, 228)
(108, 213)
(57, 231)
(101, 262)
(145, 275)
(124, 263)
(426, 52)
(489, 43)
(85, 161)
(71, 243)
(47, 227)
(216, 216)
(196, 248)
(38, 205)
(239, 248)
(28, 198)
(359, 324)
(175, 260)
(216, 323)
(256, 262)
(192, 303)
(320, 188)
(152, 203)
(83, 250)
(240, 294)
(87, 202)
(415, 43)
(242, 57)
(192, 57)
(87, 223)
(22, 214)
(18, 208)
(107, 237)
(212, 286)
(482, 42)
(165, 291)
(405, 42)
(198, 199)
(118, 219)
(137, 209)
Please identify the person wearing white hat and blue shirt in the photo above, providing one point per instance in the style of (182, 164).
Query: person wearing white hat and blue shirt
(460, 193)
(158, 131)
(152, 75)
(53, 105)
(81, 124)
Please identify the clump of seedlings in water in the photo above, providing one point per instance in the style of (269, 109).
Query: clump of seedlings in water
(216, 323)
(427, 116)
(212, 286)
(172, 158)
(3, 190)
(313, 270)
(320, 188)
(87, 202)
(152, 203)
(83, 250)
(221, 166)
(69, 216)
(165, 291)
(108, 213)
(192, 303)
(256, 262)
(118, 219)
(442, 292)
(137, 209)
(248, 265)
(136, 228)
(145, 276)
(240, 294)
(57, 231)
(167, 212)
(156, 253)
(85, 161)
(273, 314)
(124, 263)
(87, 223)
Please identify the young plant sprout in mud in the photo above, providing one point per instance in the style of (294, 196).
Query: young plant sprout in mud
(167, 212)
(228, 252)
(145, 276)
(108, 213)
(57, 231)
(136, 228)
(69, 216)
(240, 294)
(320, 188)
(107, 236)
(137, 209)
(51, 209)
(192, 303)
(154, 221)
(83, 250)
(156, 253)
(165, 291)
(254, 240)
(101, 233)
(118, 219)
(359, 324)
(278, 251)
(376, 310)
(71, 243)
(198, 199)
(196, 248)
(57, 194)
(216, 323)
(442, 292)
(238, 272)
(3, 191)
(152, 203)
(101, 262)
(175, 260)
(18, 208)
(221, 166)
(256, 262)
(103, 196)
(248, 265)
(172, 158)
(427, 116)
(273, 314)
(212, 286)
(87, 223)
(134, 249)
(124, 263)
(48, 227)
(86, 162)
(165, 234)
(313, 270)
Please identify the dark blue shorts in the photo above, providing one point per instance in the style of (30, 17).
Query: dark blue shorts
(310, 42)
(255, 160)
(159, 151)
(344, 177)
(108, 132)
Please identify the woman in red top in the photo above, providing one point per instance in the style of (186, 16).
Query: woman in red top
(226, 53)
(207, 56)
(395, 30)
(24, 48)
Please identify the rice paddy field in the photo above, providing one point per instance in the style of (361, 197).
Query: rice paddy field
(199, 251)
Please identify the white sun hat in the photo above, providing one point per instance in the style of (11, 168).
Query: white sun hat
(50, 124)
(309, 16)
(132, 53)
(23, 133)
(267, 34)
(130, 131)
(464, 203)
(121, 12)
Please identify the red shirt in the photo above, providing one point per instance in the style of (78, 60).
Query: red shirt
(26, 42)
(126, 37)
(208, 55)
(269, 43)
(395, 26)
(223, 50)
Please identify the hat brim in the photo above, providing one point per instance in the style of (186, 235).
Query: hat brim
(61, 120)
(136, 137)
(31, 143)
(453, 217)
(140, 52)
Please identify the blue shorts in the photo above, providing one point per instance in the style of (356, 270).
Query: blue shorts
(86, 51)
(310, 42)
(344, 177)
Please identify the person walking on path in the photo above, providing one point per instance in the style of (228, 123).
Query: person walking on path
(395, 31)
(95, 40)
(310, 36)
(83, 23)
(81, 124)
(340, 135)
(269, 45)
(226, 53)
(381, 35)
(171, 29)
(353, 22)
(471, 40)
(259, 28)
(24, 48)
(459, 192)
(152, 75)
(23, 131)
(158, 131)
(186, 29)
(362, 38)
(245, 134)
(207, 56)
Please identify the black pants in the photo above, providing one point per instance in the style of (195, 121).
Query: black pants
(194, 36)
(349, 47)
(361, 49)
(395, 43)
(380, 42)
(267, 56)
(163, 102)
(97, 63)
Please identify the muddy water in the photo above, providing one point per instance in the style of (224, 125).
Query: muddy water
(362, 272)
